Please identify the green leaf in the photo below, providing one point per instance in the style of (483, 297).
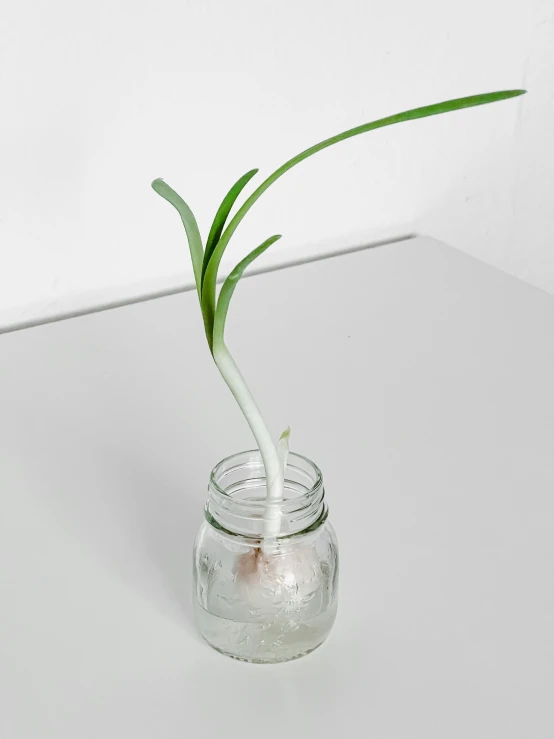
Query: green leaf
(222, 215)
(189, 222)
(195, 247)
(229, 286)
(210, 277)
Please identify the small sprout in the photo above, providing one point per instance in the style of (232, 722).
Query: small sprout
(283, 450)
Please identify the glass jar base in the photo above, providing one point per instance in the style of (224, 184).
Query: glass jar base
(263, 661)
(280, 639)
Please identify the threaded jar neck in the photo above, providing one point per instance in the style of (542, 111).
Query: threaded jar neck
(237, 492)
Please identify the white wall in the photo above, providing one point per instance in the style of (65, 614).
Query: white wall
(98, 98)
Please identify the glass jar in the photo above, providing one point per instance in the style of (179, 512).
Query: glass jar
(256, 598)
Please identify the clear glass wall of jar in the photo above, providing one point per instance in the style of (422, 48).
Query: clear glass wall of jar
(263, 599)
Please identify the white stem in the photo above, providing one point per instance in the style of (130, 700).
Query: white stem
(273, 514)
(274, 475)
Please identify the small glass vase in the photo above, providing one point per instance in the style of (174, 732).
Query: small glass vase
(257, 598)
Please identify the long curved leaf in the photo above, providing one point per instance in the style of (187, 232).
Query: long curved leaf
(230, 284)
(222, 215)
(210, 277)
(189, 222)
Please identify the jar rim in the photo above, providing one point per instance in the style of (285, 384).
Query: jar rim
(304, 498)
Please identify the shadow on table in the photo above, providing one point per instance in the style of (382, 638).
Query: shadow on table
(130, 512)
(163, 434)
(118, 447)
(159, 519)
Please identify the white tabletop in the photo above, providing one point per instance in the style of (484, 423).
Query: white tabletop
(419, 379)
